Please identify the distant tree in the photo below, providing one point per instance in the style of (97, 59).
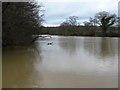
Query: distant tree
(105, 20)
(68, 27)
(87, 23)
(65, 24)
(70, 21)
(118, 21)
(93, 21)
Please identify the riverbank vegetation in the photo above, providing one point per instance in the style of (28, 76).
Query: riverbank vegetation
(103, 24)
(19, 22)
(80, 31)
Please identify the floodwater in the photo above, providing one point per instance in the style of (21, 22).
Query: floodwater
(62, 62)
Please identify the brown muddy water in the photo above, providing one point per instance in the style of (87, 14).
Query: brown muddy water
(62, 62)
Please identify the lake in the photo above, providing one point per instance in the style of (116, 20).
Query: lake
(62, 62)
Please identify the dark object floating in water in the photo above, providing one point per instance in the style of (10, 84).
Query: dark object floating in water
(50, 43)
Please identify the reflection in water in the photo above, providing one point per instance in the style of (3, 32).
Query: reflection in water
(101, 47)
(81, 62)
(69, 44)
(89, 45)
(105, 48)
(18, 68)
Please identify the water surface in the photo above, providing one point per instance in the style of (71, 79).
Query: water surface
(69, 62)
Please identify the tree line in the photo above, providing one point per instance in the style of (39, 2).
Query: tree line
(103, 24)
(103, 19)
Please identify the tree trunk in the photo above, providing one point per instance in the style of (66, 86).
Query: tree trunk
(104, 29)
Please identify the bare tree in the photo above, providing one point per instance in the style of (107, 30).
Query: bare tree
(70, 21)
(93, 21)
(65, 24)
(118, 21)
(87, 23)
(105, 20)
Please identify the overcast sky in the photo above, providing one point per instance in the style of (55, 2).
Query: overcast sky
(56, 11)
